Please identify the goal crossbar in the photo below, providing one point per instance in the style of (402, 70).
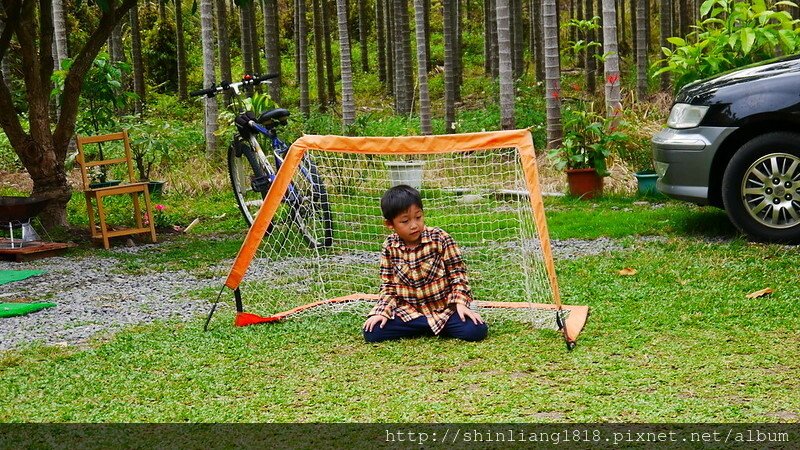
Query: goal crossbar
(521, 140)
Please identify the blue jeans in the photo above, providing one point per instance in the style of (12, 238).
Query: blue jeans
(397, 329)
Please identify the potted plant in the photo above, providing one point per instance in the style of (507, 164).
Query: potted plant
(589, 139)
(150, 146)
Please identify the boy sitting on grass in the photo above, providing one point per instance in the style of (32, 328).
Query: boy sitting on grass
(424, 287)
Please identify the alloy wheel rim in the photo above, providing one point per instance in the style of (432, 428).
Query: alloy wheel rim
(770, 190)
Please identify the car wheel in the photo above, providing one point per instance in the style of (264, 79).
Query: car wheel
(761, 188)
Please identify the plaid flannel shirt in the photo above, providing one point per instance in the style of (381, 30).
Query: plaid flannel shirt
(427, 280)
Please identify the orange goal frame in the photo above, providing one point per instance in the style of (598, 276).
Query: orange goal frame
(451, 143)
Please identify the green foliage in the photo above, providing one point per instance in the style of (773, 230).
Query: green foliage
(589, 138)
(583, 28)
(103, 91)
(160, 55)
(731, 34)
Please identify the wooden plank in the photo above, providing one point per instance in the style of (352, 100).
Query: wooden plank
(29, 253)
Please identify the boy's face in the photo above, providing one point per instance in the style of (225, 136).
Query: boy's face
(409, 225)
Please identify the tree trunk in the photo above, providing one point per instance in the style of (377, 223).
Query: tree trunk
(41, 147)
(246, 39)
(422, 68)
(326, 4)
(348, 99)
(505, 65)
(539, 42)
(162, 10)
(449, 75)
(552, 67)
(641, 51)
(379, 30)
(117, 50)
(390, 54)
(611, 64)
(319, 55)
(224, 46)
(427, 12)
(179, 42)
(209, 76)
(60, 31)
(256, 55)
(302, 45)
(138, 63)
(403, 75)
(518, 39)
(493, 38)
(363, 35)
(666, 31)
(271, 49)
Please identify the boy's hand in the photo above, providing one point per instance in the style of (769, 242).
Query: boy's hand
(370, 323)
(464, 312)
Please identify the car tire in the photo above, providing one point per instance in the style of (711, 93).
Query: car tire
(761, 188)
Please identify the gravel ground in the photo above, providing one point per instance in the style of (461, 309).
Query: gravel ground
(93, 298)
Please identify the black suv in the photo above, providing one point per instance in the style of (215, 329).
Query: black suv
(734, 142)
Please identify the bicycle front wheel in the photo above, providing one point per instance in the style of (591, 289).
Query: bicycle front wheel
(310, 208)
(250, 180)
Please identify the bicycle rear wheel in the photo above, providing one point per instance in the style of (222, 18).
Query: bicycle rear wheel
(310, 208)
(250, 180)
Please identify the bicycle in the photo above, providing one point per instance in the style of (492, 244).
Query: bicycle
(252, 173)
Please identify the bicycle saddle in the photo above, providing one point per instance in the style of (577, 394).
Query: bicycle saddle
(277, 114)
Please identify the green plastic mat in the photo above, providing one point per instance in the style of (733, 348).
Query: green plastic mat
(20, 309)
(7, 276)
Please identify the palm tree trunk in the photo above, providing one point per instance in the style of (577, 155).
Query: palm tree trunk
(256, 55)
(428, 34)
(449, 75)
(224, 45)
(611, 63)
(319, 55)
(666, 31)
(179, 42)
(302, 45)
(505, 65)
(363, 35)
(379, 30)
(422, 68)
(209, 78)
(138, 63)
(246, 39)
(271, 47)
(458, 62)
(552, 68)
(59, 32)
(537, 31)
(117, 50)
(390, 53)
(641, 51)
(403, 76)
(493, 38)
(348, 99)
(327, 5)
(518, 39)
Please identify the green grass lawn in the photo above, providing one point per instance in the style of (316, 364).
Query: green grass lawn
(677, 342)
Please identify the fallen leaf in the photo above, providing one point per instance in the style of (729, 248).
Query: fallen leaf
(761, 293)
(628, 271)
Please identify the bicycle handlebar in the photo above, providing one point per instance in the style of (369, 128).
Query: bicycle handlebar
(247, 80)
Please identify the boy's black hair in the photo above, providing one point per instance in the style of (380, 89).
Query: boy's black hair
(398, 199)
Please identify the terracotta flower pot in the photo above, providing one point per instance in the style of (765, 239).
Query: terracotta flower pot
(584, 183)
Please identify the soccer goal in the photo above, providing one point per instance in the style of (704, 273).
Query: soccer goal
(482, 188)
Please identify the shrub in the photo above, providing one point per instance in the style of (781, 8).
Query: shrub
(730, 35)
